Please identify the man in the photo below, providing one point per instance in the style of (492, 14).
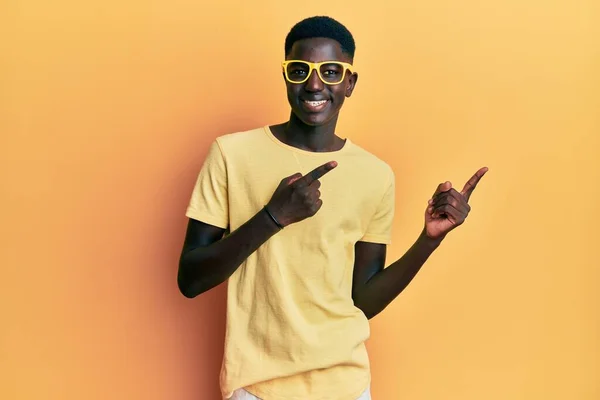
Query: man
(297, 220)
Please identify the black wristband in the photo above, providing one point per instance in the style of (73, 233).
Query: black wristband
(273, 218)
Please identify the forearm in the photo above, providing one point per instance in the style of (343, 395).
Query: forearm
(387, 284)
(203, 268)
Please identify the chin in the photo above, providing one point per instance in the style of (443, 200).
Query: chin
(316, 119)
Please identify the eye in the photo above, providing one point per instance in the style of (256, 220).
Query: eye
(297, 72)
(331, 70)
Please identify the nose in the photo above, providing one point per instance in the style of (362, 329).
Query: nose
(314, 83)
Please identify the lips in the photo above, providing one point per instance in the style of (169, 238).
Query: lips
(314, 105)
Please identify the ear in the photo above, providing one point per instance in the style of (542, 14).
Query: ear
(352, 79)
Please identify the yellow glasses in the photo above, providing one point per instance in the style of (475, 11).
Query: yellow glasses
(330, 72)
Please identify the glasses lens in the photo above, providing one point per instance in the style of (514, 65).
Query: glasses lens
(332, 72)
(297, 71)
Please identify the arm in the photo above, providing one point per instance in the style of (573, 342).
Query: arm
(208, 260)
(374, 287)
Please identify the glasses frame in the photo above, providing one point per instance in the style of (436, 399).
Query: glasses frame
(312, 66)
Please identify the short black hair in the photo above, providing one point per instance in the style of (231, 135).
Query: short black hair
(321, 26)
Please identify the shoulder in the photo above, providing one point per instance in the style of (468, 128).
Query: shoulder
(241, 139)
(372, 164)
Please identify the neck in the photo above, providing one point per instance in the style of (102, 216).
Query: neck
(311, 138)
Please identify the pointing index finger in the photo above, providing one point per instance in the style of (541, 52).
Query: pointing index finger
(472, 183)
(317, 173)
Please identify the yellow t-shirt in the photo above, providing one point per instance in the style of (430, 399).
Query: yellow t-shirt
(292, 330)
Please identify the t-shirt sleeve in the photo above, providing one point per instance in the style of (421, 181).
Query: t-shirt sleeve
(209, 200)
(379, 229)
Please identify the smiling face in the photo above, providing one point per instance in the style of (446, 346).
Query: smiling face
(314, 102)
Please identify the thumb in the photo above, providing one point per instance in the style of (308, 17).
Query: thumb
(291, 179)
(442, 187)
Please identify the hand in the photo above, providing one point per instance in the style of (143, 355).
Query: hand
(448, 208)
(297, 197)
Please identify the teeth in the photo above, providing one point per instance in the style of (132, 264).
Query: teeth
(316, 103)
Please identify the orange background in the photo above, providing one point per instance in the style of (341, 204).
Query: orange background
(107, 111)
